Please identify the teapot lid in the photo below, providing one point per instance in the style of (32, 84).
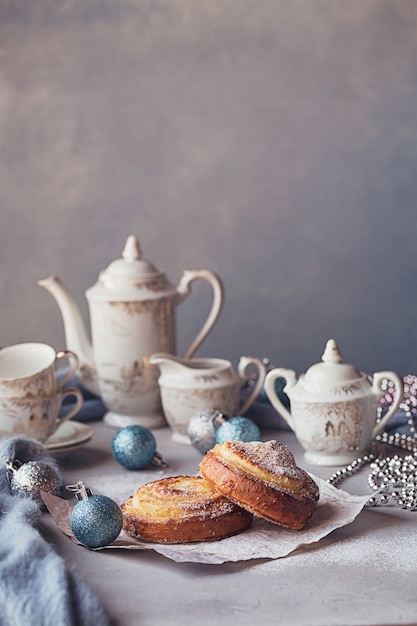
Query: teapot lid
(131, 264)
(131, 277)
(332, 369)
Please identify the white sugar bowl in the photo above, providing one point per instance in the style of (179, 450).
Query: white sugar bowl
(333, 407)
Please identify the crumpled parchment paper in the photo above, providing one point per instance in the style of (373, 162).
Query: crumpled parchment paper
(336, 508)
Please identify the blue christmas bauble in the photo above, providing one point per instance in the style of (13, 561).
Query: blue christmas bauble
(238, 429)
(134, 446)
(96, 521)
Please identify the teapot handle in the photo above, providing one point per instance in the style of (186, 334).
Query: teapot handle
(378, 379)
(184, 290)
(243, 364)
(290, 380)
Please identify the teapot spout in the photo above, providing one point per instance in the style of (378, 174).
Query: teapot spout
(76, 337)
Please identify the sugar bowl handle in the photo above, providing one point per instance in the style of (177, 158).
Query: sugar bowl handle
(290, 380)
(378, 379)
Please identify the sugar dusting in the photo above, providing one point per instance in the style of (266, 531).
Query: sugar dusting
(180, 497)
(275, 458)
(272, 456)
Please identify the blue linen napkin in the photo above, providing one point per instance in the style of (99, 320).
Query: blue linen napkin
(93, 407)
(399, 423)
(35, 585)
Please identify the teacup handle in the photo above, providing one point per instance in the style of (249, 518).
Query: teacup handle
(73, 363)
(70, 391)
(378, 379)
(243, 365)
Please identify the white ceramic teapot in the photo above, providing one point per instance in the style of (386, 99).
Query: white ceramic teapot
(191, 385)
(132, 315)
(334, 407)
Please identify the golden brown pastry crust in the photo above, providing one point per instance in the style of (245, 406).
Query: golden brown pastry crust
(263, 478)
(182, 509)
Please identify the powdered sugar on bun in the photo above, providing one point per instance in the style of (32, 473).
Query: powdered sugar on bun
(269, 461)
(263, 478)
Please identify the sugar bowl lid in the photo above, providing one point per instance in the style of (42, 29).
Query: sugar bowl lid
(332, 370)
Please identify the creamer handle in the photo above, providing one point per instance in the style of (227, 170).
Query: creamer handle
(290, 380)
(243, 364)
(378, 379)
(184, 290)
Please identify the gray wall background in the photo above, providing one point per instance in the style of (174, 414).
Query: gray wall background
(273, 142)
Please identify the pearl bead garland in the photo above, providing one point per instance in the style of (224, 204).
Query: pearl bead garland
(392, 478)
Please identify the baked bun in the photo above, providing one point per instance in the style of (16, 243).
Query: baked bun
(263, 478)
(182, 509)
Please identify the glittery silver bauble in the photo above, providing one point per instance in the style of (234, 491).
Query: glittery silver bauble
(95, 520)
(202, 428)
(238, 429)
(29, 479)
(134, 446)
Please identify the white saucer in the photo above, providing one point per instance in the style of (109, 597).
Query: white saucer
(68, 437)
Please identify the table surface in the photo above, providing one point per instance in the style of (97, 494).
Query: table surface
(364, 573)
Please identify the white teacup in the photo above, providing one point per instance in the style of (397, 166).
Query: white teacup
(36, 417)
(34, 369)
